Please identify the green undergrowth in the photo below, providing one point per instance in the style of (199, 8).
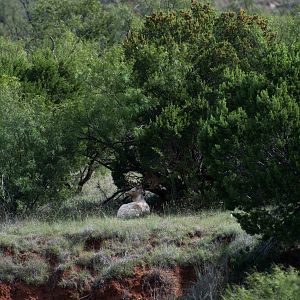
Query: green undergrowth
(94, 250)
(278, 284)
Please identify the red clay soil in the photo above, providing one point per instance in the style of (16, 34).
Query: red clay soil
(132, 288)
(21, 291)
(129, 288)
(5, 292)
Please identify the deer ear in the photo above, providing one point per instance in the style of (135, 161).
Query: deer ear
(140, 189)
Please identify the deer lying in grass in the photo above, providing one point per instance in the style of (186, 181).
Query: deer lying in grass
(137, 208)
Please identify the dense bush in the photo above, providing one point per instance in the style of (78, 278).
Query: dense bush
(252, 140)
(279, 284)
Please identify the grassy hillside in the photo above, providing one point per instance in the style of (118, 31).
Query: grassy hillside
(101, 257)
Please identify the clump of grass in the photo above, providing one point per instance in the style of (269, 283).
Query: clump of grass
(158, 284)
(94, 261)
(33, 271)
(57, 249)
(279, 284)
(119, 269)
(194, 256)
(8, 269)
(172, 255)
(209, 284)
(67, 265)
(164, 256)
(8, 242)
(78, 280)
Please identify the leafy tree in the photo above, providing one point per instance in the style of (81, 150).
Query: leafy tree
(179, 59)
(145, 7)
(87, 20)
(54, 69)
(61, 102)
(252, 143)
(13, 19)
(35, 153)
(219, 116)
(287, 27)
(41, 93)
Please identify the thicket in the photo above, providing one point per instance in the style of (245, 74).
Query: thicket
(203, 105)
(279, 284)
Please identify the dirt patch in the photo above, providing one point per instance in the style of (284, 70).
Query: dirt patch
(21, 291)
(128, 288)
(5, 292)
(147, 284)
(7, 251)
(25, 292)
(187, 276)
(93, 243)
(159, 283)
(52, 260)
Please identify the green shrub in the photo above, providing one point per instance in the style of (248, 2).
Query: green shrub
(32, 271)
(79, 280)
(279, 284)
(87, 19)
(120, 269)
(256, 129)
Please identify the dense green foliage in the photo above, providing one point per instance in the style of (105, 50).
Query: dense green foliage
(180, 62)
(222, 114)
(279, 284)
(203, 105)
(37, 140)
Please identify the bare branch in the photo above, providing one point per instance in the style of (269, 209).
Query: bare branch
(115, 196)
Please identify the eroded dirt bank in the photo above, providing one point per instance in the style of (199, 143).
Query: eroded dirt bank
(145, 284)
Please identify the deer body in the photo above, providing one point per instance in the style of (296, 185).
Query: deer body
(137, 208)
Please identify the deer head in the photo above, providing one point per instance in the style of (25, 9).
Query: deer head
(136, 193)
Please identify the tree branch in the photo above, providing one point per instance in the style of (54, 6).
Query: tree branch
(118, 193)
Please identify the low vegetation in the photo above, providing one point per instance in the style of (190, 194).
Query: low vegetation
(278, 284)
